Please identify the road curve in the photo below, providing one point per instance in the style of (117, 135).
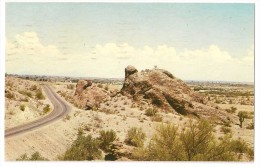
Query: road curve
(60, 109)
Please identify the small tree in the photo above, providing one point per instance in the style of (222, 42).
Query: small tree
(197, 138)
(241, 116)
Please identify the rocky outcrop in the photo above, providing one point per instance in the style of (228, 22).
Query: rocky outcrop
(88, 95)
(163, 90)
(82, 85)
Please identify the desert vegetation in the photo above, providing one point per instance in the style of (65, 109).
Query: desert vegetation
(108, 122)
(36, 156)
(197, 142)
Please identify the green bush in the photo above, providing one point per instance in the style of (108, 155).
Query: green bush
(165, 145)
(83, 148)
(151, 112)
(196, 139)
(106, 139)
(39, 95)
(22, 107)
(195, 143)
(135, 137)
(46, 109)
(36, 156)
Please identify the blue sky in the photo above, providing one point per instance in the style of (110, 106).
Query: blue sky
(109, 32)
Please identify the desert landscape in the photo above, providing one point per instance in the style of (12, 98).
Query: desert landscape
(120, 119)
(95, 81)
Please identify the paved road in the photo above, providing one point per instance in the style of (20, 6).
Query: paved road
(60, 109)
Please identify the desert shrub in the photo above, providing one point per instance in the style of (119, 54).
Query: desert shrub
(157, 118)
(29, 94)
(33, 88)
(151, 111)
(9, 95)
(239, 146)
(100, 85)
(39, 95)
(195, 143)
(46, 109)
(22, 107)
(165, 145)
(26, 93)
(251, 126)
(67, 117)
(227, 123)
(70, 86)
(250, 153)
(83, 148)
(135, 137)
(225, 130)
(231, 110)
(36, 156)
(107, 111)
(106, 87)
(248, 115)
(106, 139)
(196, 139)
(87, 128)
(25, 99)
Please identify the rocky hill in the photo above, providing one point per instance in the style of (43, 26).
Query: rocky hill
(157, 88)
(166, 92)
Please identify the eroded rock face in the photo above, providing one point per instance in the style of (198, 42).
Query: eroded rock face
(88, 95)
(129, 70)
(82, 85)
(163, 90)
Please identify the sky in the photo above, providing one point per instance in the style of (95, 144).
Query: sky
(193, 41)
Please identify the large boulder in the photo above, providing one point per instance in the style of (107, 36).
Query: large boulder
(82, 85)
(88, 95)
(129, 70)
(163, 90)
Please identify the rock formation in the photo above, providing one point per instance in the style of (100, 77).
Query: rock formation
(88, 95)
(164, 91)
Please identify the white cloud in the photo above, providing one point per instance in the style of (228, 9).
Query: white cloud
(28, 55)
(29, 43)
